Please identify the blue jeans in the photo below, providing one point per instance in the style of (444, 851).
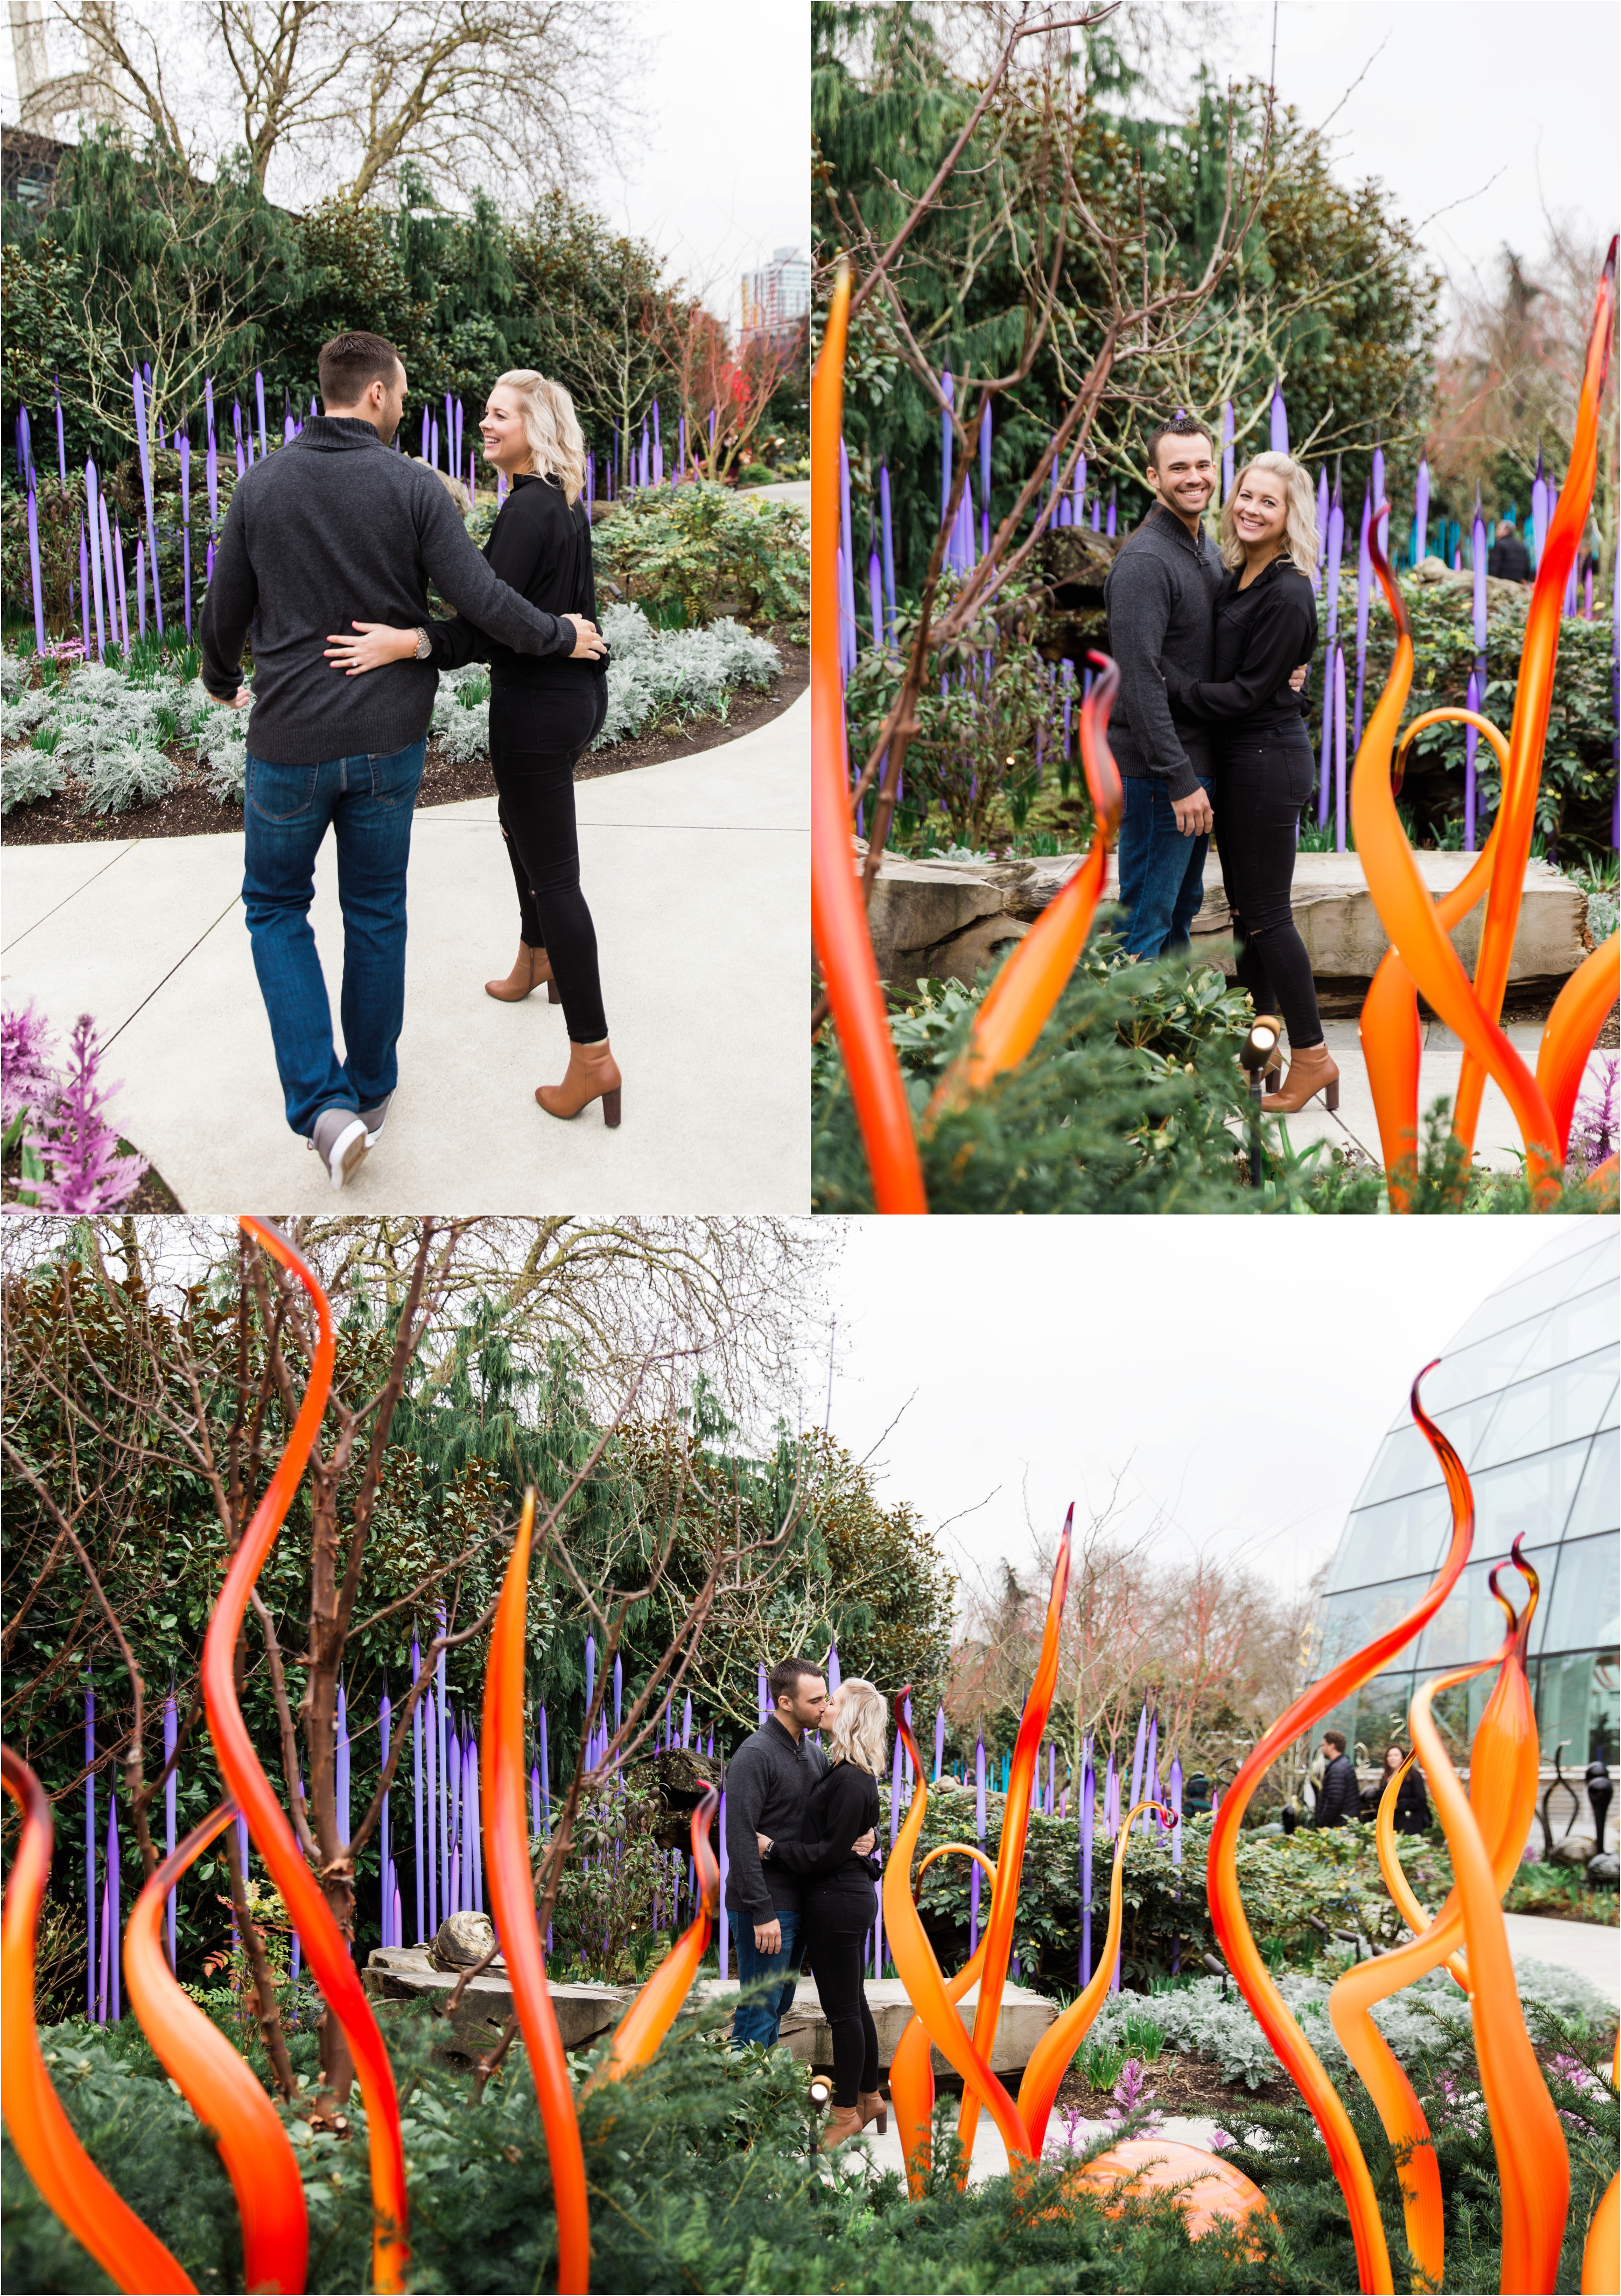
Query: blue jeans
(367, 802)
(1162, 872)
(757, 2020)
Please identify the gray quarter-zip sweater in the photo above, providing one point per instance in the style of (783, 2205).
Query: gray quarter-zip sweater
(768, 1783)
(335, 528)
(1159, 597)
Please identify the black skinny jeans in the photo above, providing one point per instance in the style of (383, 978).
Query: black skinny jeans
(837, 1924)
(1261, 785)
(535, 733)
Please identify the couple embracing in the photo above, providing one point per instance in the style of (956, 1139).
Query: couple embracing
(801, 1881)
(325, 559)
(1213, 645)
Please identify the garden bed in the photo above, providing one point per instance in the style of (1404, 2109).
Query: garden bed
(153, 1194)
(192, 809)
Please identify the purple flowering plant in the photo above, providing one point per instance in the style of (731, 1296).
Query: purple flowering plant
(56, 1118)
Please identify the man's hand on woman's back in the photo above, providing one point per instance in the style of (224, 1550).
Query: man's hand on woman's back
(589, 644)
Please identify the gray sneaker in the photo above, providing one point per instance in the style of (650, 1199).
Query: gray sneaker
(373, 1118)
(340, 1140)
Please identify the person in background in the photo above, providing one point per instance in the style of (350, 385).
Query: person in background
(1338, 1797)
(1412, 1801)
(841, 1900)
(1508, 558)
(769, 1781)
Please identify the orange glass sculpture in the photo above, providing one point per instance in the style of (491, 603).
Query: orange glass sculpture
(511, 1895)
(839, 923)
(1533, 2164)
(1207, 2189)
(1020, 1000)
(1015, 1824)
(652, 2013)
(219, 2087)
(69, 2180)
(919, 1973)
(912, 2066)
(1417, 927)
(1227, 1915)
(1051, 2058)
(325, 1945)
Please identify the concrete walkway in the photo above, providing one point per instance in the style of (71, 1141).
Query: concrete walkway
(1497, 1139)
(698, 875)
(1592, 1950)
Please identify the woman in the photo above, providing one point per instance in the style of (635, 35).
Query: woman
(841, 1902)
(1412, 1801)
(545, 712)
(1265, 623)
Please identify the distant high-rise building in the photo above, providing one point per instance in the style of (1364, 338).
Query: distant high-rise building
(777, 296)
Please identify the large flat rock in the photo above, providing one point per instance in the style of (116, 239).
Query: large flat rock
(948, 920)
(586, 2012)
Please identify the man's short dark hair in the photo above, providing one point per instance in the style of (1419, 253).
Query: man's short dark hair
(1180, 426)
(1335, 1738)
(350, 363)
(783, 1681)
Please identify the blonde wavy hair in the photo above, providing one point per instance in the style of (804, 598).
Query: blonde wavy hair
(557, 444)
(1301, 531)
(857, 1731)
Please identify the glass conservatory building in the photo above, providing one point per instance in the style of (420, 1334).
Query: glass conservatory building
(1527, 1392)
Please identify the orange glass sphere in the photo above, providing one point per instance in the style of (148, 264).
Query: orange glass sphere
(1155, 2165)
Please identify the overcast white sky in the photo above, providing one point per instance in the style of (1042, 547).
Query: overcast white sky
(1241, 1372)
(718, 174)
(1484, 108)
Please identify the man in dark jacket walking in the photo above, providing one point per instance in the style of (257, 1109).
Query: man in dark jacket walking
(1508, 558)
(1339, 1796)
(332, 529)
(768, 1783)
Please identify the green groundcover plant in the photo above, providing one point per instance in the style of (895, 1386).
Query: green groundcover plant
(699, 2176)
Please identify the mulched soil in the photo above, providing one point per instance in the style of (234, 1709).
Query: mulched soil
(1188, 2086)
(189, 811)
(154, 1193)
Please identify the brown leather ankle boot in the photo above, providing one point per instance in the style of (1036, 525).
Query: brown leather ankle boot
(593, 1074)
(1311, 1072)
(843, 2122)
(871, 2104)
(533, 966)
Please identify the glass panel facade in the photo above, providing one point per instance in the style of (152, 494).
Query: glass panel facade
(1585, 1608)
(1528, 1394)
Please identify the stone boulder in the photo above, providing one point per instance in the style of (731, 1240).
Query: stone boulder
(401, 1973)
(461, 1941)
(1576, 1850)
(1024, 2018)
(1604, 1870)
(1436, 573)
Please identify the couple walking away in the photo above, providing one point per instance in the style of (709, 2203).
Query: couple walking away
(1213, 647)
(326, 555)
(801, 1830)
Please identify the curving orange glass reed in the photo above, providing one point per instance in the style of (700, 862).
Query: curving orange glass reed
(1227, 1917)
(838, 924)
(1410, 919)
(1051, 2057)
(511, 1895)
(1391, 1041)
(1533, 697)
(1020, 1000)
(325, 1948)
(68, 2181)
(919, 1973)
(1572, 1028)
(652, 2013)
(911, 2066)
(1533, 2165)
(221, 2090)
(1602, 2251)
(1207, 2189)
(1015, 1824)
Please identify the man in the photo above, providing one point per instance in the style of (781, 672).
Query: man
(1338, 1797)
(1160, 600)
(334, 528)
(1508, 558)
(768, 1783)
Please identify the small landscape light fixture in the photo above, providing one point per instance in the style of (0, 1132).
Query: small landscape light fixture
(820, 2092)
(1261, 1045)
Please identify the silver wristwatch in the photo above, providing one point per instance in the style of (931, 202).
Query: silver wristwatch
(422, 647)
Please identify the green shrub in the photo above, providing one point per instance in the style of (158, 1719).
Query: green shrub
(698, 551)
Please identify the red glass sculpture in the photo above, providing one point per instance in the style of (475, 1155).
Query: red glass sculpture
(911, 2066)
(652, 2013)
